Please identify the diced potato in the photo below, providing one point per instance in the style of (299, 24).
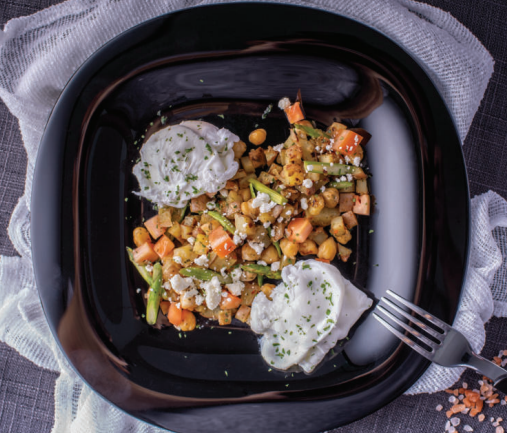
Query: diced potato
(186, 231)
(244, 224)
(327, 249)
(282, 158)
(328, 157)
(270, 255)
(362, 186)
(294, 154)
(165, 217)
(169, 269)
(224, 317)
(289, 248)
(278, 231)
(292, 174)
(190, 221)
(346, 202)
(343, 239)
(266, 178)
(243, 313)
(257, 157)
(344, 252)
(271, 155)
(308, 247)
(318, 235)
(267, 289)
(244, 183)
(175, 231)
(240, 174)
(287, 213)
(331, 197)
(141, 236)
(350, 219)
(260, 235)
(249, 254)
(361, 204)
(239, 148)
(247, 164)
(201, 244)
(291, 194)
(234, 196)
(185, 254)
(267, 217)
(337, 227)
(218, 263)
(245, 194)
(231, 185)
(209, 227)
(275, 169)
(249, 293)
(232, 209)
(198, 204)
(308, 149)
(323, 219)
(335, 127)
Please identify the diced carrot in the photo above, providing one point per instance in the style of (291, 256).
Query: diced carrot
(145, 253)
(362, 205)
(299, 229)
(153, 226)
(175, 314)
(164, 246)
(229, 301)
(346, 142)
(221, 243)
(187, 321)
(323, 260)
(294, 113)
(164, 306)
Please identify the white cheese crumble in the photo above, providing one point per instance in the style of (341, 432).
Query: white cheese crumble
(279, 147)
(347, 159)
(307, 183)
(323, 188)
(236, 288)
(284, 103)
(258, 247)
(343, 179)
(309, 167)
(213, 291)
(266, 224)
(304, 203)
(149, 268)
(356, 161)
(350, 178)
(239, 237)
(179, 284)
(178, 260)
(263, 202)
(275, 266)
(191, 240)
(202, 260)
(262, 263)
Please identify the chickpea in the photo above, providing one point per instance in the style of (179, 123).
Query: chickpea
(308, 247)
(267, 289)
(331, 197)
(270, 255)
(245, 194)
(315, 204)
(188, 322)
(141, 236)
(289, 248)
(257, 137)
(248, 210)
(248, 253)
(327, 249)
(267, 217)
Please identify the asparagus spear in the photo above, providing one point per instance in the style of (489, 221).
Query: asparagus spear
(262, 270)
(340, 185)
(252, 190)
(154, 295)
(140, 268)
(226, 224)
(334, 169)
(312, 132)
(204, 275)
(273, 195)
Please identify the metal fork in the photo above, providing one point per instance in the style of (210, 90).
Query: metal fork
(446, 346)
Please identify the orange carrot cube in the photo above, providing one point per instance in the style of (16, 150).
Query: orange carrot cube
(163, 246)
(145, 253)
(362, 204)
(175, 314)
(221, 243)
(294, 112)
(229, 301)
(164, 306)
(346, 142)
(299, 229)
(154, 227)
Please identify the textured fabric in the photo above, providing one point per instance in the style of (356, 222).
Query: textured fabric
(375, 425)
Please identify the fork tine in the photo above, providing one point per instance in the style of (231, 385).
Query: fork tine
(413, 319)
(403, 338)
(444, 326)
(407, 328)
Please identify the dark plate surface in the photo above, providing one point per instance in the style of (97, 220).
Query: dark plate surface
(187, 66)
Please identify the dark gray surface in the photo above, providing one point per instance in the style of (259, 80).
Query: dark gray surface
(26, 391)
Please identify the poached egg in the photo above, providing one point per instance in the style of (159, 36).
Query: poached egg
(184, 161)
(309, 312)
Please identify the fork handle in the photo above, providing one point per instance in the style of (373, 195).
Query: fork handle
(489, 369)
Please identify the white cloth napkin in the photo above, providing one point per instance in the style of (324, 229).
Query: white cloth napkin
(39, 54)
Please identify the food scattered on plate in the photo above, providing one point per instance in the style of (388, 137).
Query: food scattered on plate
(234, 219)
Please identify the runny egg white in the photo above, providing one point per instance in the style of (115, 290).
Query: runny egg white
(184, 161)
(309, 312)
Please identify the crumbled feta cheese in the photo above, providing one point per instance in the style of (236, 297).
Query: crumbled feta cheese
(213, 291)
(343, 179)
(236, 274)
(329, 147)
(138, 290)
(177, 259)
(199, 299)
(224, 192)
(282, 186)
(202, 260)
(350, 178)
(347, 159)
(331, 164)
(304, 203)
(191, 240)
(275, 266)
(263, 202)
(323, 188)
(266, 224)
(211, 205)
(309, 167)
(190, 293)
(317, 148)
(149, 268)
(179, 284)
(284, 103)
(280, 219)
(356, 161)
(279, 147)
(167, 285)
(258, 247)
(262, 263)
(307, 183)
(239, 237)
(236, 288)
